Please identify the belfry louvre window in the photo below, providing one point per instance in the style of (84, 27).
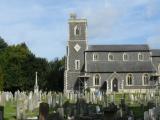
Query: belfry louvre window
(145, 79)
(97, 79)
(129, 79)
(95, 56)
(77, 64)
(76, 30)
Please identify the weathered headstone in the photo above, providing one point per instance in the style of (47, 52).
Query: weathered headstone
(60, 112)
(43, 111)
(53, 100)
(146, 115)
(20, 109)
(1, 113)
(152, 114)
(98, 109)
(49, 99)
(30, 102)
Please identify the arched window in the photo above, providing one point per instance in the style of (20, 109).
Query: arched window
(129, 79)
(110, 57)
(95, 56)
(140, 57)
(97, 79)
(76, 30)
(125, 57)
(145, 79)
(77, 64)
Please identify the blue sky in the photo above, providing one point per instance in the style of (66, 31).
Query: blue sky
(42, 24)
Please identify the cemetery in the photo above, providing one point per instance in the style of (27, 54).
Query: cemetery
(80, 105)
(76, 106)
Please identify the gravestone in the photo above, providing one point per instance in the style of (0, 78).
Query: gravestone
(60, 112)
(93, 97)
(43, 111)
(2, 99)
(49, 99)
(20, 110)
(90, 97)
(82, 106)
(75, 98)
(30, 102)
(98, 109)
(1, 113)
(156, 113)
(111, 97)
(36, 100)
(53, 100)
(152, 114)
(57, 99)
(146, 115)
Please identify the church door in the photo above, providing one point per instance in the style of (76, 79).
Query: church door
(115, 85)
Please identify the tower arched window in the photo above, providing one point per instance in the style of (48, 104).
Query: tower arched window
(125, 57)
(110, 57)
(145, 79)
(97, 80)
(129, 79)
(76, 30)
(77, 64)
(140, 56)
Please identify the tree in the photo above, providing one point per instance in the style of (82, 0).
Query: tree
(1, 79)
(55, 76)
(10, 60)
(3, 44)
(30, 66)
(18, 66)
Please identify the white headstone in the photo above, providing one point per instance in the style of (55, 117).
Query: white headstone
(146, 115)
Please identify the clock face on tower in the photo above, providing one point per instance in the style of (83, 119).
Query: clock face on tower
(77, 47)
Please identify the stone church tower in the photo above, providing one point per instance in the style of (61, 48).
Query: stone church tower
(76, 45)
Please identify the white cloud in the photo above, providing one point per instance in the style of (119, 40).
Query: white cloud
(121, 21)
(37, 25)
(43, 24)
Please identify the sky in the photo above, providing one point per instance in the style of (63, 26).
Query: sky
(43, 24)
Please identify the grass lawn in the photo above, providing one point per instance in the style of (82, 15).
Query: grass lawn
(10, 111)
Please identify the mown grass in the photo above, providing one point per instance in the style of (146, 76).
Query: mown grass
(10, 111)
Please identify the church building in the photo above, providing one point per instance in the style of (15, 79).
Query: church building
(109, 68)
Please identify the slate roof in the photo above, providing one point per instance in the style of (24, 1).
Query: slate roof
(155, 53)
(120, 66)
(118, 48)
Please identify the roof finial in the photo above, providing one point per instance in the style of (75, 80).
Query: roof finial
(73, 16)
